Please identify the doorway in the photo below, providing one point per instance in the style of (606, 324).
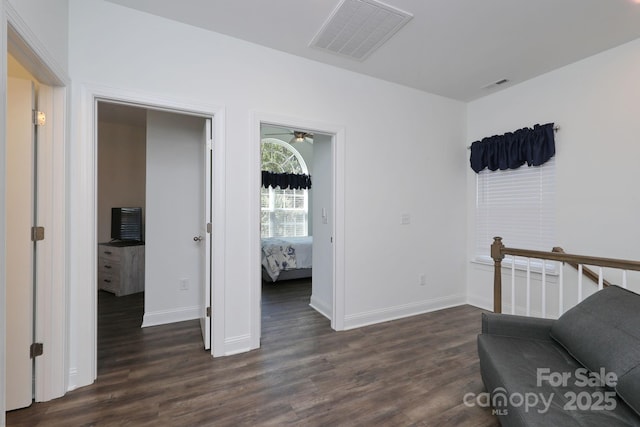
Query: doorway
(85, 244)
(150, 163)
(321, 152)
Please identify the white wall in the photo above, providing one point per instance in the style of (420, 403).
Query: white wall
(121, 170)
(404, 152)
(48, 20)
(595, 104)
(175, 171)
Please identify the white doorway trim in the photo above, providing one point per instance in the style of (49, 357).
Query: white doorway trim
(52, 300)
(337, 153)
(84, 235)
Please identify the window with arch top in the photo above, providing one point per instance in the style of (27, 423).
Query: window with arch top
(284, 213)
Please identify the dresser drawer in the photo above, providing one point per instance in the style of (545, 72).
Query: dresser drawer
(121, 268)
(108, 264)
(107, 253)
(109, 282)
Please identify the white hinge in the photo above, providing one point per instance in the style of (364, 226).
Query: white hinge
(209, 227)
(36, 349)
(37, 233)
(208, 311)
(210, 144)
(39, 118)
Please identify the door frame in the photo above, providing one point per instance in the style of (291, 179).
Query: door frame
(52, 300)
(337, 133)
(86, 238)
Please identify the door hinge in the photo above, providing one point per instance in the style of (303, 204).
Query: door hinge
(39, 118)
(36, 349)
(37, 233)
(209, 227)
(208, 311)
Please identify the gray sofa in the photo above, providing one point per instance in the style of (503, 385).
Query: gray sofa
(580, 370)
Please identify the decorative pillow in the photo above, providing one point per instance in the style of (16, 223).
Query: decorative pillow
(603, 331)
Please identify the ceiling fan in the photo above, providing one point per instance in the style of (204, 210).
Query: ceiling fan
(296, 136)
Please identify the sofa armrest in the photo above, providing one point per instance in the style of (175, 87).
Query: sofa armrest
(516, 326)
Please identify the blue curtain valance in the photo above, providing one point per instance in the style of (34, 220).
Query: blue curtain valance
(291, 181)
(511, 150)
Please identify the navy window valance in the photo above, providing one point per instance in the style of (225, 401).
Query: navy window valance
(291, 181)
(513, 149)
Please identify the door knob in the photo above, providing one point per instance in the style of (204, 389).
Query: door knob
(197, 239)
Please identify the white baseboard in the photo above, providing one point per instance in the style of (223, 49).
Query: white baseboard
(164, 317)
(238, 344)
(320, 306)
(480, 302)
(72, 380)
(352, 321)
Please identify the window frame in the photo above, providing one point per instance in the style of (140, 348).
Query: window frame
(541, 177)
(273, 192)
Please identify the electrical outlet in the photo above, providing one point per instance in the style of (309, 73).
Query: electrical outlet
(422, 280)
(184, 284)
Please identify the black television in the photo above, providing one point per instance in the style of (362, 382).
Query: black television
(126, 224)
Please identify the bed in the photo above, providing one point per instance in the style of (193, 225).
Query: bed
(285, 258)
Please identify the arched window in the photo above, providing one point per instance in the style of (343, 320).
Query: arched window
(283, 212)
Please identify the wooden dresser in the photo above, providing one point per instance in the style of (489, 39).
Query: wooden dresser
(121, 267)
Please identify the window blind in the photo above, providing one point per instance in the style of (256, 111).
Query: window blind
(517, 205)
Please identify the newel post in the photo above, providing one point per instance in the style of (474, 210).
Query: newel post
(498, 256)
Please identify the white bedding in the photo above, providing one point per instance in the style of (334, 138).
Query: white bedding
(286, 253)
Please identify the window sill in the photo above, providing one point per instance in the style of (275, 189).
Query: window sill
(551, 267)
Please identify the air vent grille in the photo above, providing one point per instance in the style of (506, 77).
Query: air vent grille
(356, 28)
(496, 84)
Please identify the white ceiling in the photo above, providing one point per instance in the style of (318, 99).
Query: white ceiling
(453, 48)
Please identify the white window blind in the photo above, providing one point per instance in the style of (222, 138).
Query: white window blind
(517, 205)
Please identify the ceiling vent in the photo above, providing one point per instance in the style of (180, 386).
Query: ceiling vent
(496, 84)
(358, 27)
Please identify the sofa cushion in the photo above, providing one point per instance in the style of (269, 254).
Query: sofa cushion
(603, 331)
(510, 369)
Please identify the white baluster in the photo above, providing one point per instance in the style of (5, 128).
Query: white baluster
(544, 289)
(560, 289)
(624, 279)
(579, 282)
(600, 279)
(528, 286)
(513, 285)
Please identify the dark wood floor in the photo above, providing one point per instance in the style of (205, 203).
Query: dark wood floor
(409, 372)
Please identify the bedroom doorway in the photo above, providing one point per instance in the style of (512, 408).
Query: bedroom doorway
(297, 223)
(159, 162)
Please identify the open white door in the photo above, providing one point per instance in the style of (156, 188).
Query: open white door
(20, 248)
(205, 320)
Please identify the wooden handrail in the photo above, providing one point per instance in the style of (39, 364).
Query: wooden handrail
(499, 250)
(585, 270)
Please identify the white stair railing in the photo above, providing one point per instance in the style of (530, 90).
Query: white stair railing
(580, 262)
